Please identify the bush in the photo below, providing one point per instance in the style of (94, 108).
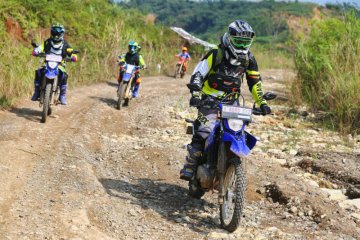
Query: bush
(99, 29)
(328, 69)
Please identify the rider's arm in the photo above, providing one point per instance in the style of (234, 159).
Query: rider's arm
(39, 49)
(205, 65)
(200, 72)
(121, 59)
(69, 52)
(142, 62)
(254, 80)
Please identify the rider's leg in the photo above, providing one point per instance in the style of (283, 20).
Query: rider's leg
(63, 87)
(37, 82)
(206, 118)
(137, 80)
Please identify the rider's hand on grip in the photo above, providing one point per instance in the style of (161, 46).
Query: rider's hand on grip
(74, 58)
(265, 109)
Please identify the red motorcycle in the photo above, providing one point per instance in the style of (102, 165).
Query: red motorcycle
(180, 67)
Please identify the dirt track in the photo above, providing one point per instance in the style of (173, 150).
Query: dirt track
(93, 172)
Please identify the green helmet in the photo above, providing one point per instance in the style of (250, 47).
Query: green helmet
(57, 32)
(133, 47)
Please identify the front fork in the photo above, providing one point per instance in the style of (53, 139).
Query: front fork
(221, 167)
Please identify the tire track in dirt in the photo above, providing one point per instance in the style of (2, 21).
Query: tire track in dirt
(100, 173)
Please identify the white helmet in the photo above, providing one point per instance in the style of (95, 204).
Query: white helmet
(238, 38)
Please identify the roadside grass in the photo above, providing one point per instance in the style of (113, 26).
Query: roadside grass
(101, 31)
(328, 73)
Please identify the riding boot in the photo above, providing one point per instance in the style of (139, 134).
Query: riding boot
(192, 159)
(136, 90)
(36, 95)
(62, 97)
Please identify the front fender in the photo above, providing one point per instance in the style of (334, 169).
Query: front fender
(51, 73)
(242, 145)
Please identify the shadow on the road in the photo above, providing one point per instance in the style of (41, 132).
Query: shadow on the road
(27, 113)
(111, 102)
(168, 200)
(112, 84)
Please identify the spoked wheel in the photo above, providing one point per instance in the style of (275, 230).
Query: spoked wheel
(121, 94)
(176, 71)
(235, 187)
(46, 103)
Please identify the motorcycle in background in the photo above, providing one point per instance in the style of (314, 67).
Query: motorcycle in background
(180, 68)
(126, 86)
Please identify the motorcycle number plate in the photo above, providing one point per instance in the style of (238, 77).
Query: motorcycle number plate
(53, 58)
(236, 112)
(130, 68)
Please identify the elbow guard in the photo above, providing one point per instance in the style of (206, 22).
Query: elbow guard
(196, 82)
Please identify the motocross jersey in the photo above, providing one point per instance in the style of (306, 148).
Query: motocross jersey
(185, 56)
(133, 59)
(49, 47)
(222, 77)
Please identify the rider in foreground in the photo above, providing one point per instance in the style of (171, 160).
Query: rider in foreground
(184, 55)
(132, 57)
(54, 45)
(220, 72)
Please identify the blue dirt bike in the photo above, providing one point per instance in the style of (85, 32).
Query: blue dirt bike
(127, 85)
(49, 88)
(222, 167)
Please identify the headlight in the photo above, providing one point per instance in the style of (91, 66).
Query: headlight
(52, 65)
(235, 124)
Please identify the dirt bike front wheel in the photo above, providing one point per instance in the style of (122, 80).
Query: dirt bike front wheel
(177, 69)
(46, 102)
(235, 188)
(121, 94)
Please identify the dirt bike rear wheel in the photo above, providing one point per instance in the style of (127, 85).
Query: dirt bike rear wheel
(235, 187)
(46, 102)
(121, 94)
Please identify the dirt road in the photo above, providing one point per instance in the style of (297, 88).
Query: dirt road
(93, 172)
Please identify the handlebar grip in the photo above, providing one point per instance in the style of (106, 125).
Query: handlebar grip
(76, 51)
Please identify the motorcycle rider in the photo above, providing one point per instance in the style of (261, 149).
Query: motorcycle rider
(132, 57)
(184, 55)
(54, 45)
(220, 72)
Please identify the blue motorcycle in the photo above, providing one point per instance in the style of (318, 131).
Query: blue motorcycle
(127, 85)
(222, 167)
(49, 88)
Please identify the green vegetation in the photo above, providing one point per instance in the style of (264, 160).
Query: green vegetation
(99, 29)
(328, 66)
(209, 20)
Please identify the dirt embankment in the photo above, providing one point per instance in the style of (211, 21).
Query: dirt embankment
(93, 172)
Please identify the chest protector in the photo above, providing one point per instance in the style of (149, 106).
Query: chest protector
(227, 75)
(60, 49)
(133, 59)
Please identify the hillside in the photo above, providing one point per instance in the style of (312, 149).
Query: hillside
(101, 31)
(208, 20)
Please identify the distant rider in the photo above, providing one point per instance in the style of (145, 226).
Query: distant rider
(132, 57)
(184, 56)
(58, 46)
(220, 72)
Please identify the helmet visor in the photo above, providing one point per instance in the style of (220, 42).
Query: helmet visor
(57, 33)
(241, 42)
